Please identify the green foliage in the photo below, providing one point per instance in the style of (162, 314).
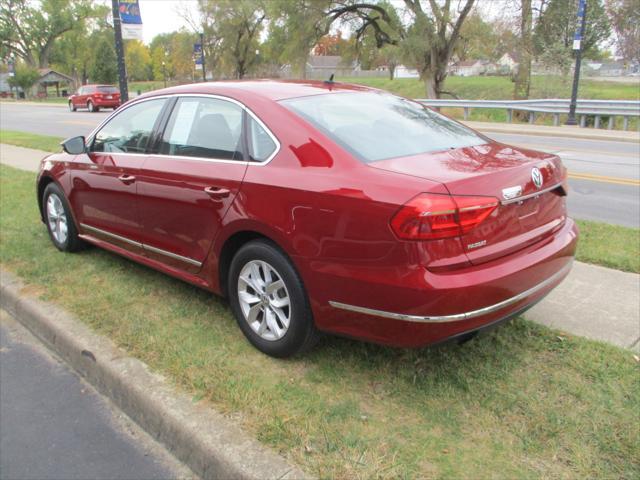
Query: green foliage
(104, 68)
(232, 31)
(478, 40)
(558, 23)
(625, 21)
(29, 29)
(175, 49)
(24, 78)
(137, 60)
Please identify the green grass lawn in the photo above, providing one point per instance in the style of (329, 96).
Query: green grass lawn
(46, 143)
(522, 402)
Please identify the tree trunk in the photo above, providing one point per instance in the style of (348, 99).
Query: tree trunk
(431, 85)
(392, 71)
(523, 74)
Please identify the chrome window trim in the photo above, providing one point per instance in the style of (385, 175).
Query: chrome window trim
(530, 195)
(175, 256)
(459, 316)
(91, 136)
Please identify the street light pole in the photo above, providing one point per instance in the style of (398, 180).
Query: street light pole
(122, 70)
(577, 46)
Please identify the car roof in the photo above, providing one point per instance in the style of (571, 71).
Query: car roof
(269, 89)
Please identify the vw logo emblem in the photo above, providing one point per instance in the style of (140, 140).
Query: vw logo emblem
(536, 176)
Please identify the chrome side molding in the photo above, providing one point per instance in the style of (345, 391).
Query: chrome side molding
(149, 248)
(458, 316)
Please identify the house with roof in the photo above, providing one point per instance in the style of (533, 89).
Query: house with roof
(467, 68)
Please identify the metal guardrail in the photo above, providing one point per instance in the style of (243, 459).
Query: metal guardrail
(553, 106)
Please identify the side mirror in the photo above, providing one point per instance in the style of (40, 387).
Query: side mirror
(74, 145)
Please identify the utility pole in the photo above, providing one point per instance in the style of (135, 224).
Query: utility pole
(122, 70)
(577, 47)
(204, 74)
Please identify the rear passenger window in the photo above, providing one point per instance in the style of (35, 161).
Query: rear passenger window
(261, 145)
(204, 127)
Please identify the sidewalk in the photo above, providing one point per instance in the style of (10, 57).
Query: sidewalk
(594, 302)
(561, 131)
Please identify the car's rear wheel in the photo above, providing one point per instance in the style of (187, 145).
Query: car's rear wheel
(62, 229)
(269, 301)
(72, 107)
(91, 107)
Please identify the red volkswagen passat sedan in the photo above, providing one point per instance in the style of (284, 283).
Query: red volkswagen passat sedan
(317, 207)
(95, 97)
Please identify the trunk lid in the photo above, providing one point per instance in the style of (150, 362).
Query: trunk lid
(528, 211)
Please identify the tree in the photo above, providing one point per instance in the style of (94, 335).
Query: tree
(557, 25)
(525, 52)
(137, 60)
(25, 77)
(29, 29)
(232, 29)
(104, 68)
(478, 40)
(295, 27)
(625, 20)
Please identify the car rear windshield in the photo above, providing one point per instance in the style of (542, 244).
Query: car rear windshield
(376, 126)
(106, 89)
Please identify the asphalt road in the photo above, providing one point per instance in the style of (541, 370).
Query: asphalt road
(55, 426)
(604, 175)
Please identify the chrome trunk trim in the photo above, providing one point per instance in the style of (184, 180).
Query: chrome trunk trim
(459, 316)
(530, 195)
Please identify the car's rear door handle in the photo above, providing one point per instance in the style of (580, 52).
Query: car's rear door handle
(127, 179)
(217, 192)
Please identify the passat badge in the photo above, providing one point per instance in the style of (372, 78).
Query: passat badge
(536, 176)
(511, 192)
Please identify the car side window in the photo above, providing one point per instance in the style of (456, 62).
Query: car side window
(81, 91)
(261, 145)
(129, 132)
(204, 127)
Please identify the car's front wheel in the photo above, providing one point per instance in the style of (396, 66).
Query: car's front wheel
(269, 302)
(72, 107)
(62, 229)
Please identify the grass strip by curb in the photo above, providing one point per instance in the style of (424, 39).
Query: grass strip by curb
(524, 401)
(46, 143)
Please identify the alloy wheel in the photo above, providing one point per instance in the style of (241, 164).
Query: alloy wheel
(57, 219)
(264, 300)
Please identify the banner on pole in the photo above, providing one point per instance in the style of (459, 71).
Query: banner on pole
(198, 57)
(131, 20)
(577, 37)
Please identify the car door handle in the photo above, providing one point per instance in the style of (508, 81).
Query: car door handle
(127, 179)
(217, 192)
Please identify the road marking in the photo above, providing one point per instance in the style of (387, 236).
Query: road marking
(604, 179)
(79, 122)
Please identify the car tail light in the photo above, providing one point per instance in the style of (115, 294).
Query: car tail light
(430, 216)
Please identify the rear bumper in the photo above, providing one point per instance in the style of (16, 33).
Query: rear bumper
(417, 307)
(106, 103)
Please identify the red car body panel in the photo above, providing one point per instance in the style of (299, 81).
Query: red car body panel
(330, 213)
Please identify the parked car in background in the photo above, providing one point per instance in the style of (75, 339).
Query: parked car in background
(95, 97)
(318, 207)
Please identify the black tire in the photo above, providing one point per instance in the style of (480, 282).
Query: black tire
(72, 107)
(301, 334)
(91, 107)
(72, 243)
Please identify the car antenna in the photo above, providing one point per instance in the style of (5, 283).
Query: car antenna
(330, 81)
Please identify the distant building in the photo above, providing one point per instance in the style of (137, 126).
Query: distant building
(507, 61)
(467, 68)
(402, 71)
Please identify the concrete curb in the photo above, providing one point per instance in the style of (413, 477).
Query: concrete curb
(203, 439)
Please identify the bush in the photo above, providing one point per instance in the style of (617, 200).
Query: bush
(24, 78)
